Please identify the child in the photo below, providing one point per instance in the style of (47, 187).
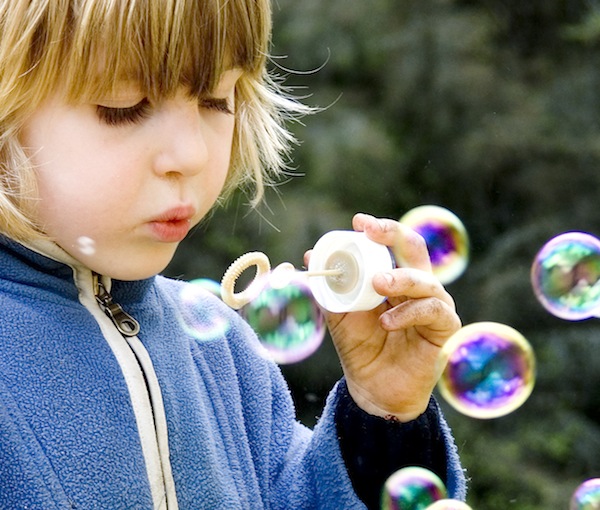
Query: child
(122, 123)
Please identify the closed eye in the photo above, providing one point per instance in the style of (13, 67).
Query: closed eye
(122, 116)
(217, 104)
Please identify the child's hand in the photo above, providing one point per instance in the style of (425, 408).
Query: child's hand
(390, 354)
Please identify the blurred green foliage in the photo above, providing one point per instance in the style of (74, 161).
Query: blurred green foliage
(490, 108)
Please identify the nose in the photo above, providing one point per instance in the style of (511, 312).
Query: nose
(181, 148)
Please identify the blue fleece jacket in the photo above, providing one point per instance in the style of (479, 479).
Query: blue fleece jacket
(168, 419)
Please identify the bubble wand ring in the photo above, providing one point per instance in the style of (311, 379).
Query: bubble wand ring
(346, 260)
(237, 267)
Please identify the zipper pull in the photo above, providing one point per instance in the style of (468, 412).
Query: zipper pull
(124, 322)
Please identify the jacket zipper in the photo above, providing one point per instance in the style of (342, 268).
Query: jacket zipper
(124, 322)
(128, 327)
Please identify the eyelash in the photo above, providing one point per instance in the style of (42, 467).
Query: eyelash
(141, 111)
(121, 116)
(217, 104)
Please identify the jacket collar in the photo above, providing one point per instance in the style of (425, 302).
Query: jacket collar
(55, 268)
(46, 254)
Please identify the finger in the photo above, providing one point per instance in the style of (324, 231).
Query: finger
(306, 258)
(409, 248)
(430, 314)
(410, 283)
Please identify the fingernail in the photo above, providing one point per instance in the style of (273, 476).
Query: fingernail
(389, 279)
(385, 320)
(383, 279)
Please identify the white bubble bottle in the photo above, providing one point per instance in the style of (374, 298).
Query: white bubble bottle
(341, 269)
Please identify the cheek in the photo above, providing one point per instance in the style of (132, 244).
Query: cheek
(56, 188)
(222, 146)
(226, 157)
(227, 151)
(78, 192)
(62, 206)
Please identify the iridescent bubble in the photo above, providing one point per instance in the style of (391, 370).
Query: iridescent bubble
(412, 488)
(490, 370)
(192, 312)
(586, 496)
(565, 276)
(286, 318)
(210, 285)
(449, 504)
(446, 238)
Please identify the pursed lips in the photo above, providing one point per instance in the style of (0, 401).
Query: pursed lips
(173, 224)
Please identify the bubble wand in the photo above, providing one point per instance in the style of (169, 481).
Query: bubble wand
(340, 271)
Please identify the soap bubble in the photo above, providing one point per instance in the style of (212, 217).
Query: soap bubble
(449, 504)
(490, 370)
(192, 311)
(565, 276)
(210, 285)
(586, 496)
(412, 488)
(446, 239)
(285, 317)
(86, 245)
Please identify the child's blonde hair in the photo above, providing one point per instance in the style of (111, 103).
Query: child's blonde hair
(86, 46)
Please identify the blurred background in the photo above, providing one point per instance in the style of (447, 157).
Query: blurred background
(489, 108)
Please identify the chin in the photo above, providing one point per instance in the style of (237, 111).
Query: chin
(139, 263)
(136, 273)
(132, 277)
(132, 272)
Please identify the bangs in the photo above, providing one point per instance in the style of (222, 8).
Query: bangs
(86, 48)
(161, 44)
